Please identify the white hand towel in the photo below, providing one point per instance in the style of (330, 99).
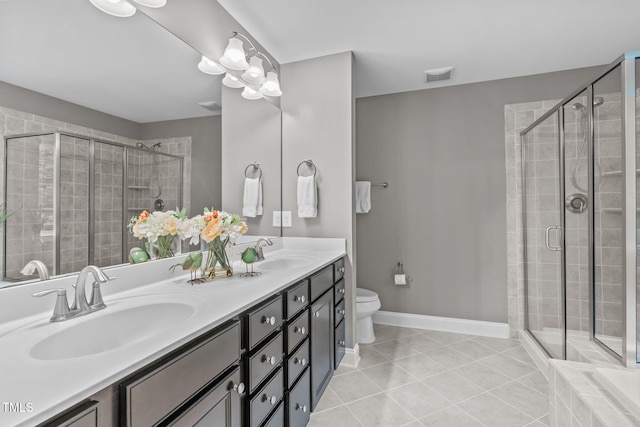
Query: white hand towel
(252, 198)
(363, 196)
(307, 197)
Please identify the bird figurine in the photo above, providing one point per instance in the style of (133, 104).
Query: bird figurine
(192, 262)
(138, 255)
(249, 256)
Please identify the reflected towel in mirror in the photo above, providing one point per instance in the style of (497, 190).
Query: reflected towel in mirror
(252, 199)
(363, 196)
(307, 197)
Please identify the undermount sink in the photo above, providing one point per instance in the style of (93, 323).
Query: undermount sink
(284, 263)
(109, 331)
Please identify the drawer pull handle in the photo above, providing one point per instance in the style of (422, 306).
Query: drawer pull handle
(341, 343)
(239, 388)
(341, 290)
(269, 320)
(270, 360)
(301, 299)
(340, 311)
(301, 362)
(301, 331)
(272, 400)
(341, 270)
(317, 313)
(300, 407)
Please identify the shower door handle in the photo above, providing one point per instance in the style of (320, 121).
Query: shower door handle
(546, 238)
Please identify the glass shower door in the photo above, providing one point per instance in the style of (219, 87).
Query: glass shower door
(543, 246)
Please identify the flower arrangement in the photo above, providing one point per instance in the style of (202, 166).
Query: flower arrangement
(159, 228)
(218, 229)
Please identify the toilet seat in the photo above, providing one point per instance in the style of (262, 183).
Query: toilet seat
(365, 295)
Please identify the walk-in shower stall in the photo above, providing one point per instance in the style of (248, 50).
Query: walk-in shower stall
(580, 204)
(70, 198)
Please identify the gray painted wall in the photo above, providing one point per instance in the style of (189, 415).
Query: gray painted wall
(47, 106)
(251, 132)
(317, 124)
(443, 216)
(206, 154)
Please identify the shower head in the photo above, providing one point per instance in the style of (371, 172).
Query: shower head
(141, 145)
(578, 106)
(146, 147)
(597, 101)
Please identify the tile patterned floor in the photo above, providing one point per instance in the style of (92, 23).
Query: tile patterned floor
(412, 377)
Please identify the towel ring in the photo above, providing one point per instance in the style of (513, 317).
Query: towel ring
(254, 165)
(310, 164)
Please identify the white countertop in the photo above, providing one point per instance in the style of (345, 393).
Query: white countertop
(51, 386)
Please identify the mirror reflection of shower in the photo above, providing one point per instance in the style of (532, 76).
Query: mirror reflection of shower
(153, 176)
(582, 110)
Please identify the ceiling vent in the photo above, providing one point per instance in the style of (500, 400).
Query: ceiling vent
(438, 74)
(210, 105)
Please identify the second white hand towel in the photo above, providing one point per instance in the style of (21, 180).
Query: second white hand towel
(252, 198)
(363, 196)
(307, 197)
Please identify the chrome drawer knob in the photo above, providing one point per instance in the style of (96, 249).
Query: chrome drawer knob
(341, 290)
(239, 388)
(272, 400)
(300, 407)
(341, 342)
(269, 320)
(270, 360)
(317, 314)
(340, 311)
(341, 270)
(300, 299)
(301, 362)
(301, 330)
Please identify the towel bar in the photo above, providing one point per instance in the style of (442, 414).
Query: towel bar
(254, 165)
(309, 164)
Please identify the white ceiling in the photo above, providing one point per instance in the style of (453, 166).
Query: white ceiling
(394, 42)
(128, 67)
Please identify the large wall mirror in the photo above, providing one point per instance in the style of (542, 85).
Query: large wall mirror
(128, 123)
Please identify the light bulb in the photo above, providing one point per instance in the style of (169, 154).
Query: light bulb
(119, 8)
(234, 55)
(249, 93)
(255, 72)
(232, 81)
(271, 86)
(210, 67)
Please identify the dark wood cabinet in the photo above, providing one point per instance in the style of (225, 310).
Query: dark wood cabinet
(84, 415)
(322, 331)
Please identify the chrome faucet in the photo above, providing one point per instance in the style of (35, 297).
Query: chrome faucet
(80, 305)
(259, 245)
(35, 265)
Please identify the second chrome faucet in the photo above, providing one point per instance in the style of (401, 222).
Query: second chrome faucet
(80, 305)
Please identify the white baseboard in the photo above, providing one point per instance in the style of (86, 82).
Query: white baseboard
(446, 324)
(351, 356)
(535, 352)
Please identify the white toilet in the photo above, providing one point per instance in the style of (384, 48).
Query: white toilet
(367, 303)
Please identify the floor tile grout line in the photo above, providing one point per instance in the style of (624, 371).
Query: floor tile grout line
(405, 409)
(466, 412)
(513, 406)
(354, 416)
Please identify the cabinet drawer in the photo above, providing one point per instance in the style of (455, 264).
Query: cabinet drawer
(340, 344)
(339, 291)
(338, 270)
(297, 331)
(277, 419)
(263, 321)
(264, 362)
(266, 399)
(297, 298)
(340, 312)
(220, 406)
(297, 363)
(320, 282)
(155, 394)
(300, 402)
(86, 415)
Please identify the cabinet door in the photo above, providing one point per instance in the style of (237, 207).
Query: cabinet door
(86, 415)
(340, 344)
(322, 331)
(219, 407)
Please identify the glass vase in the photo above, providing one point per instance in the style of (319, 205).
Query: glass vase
(162, 248)
(219, 263)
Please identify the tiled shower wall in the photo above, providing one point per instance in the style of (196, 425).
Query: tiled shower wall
(543, 268)
(30, 226)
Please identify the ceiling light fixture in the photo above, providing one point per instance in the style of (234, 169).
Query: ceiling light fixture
(210, 67)
(119, 8)
(152, 3)
(252, 79)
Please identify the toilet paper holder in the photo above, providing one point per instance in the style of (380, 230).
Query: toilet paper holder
(399, 277)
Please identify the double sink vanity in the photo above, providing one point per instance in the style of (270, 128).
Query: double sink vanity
(240, 351)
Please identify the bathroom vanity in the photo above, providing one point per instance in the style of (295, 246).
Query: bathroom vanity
(255, 351)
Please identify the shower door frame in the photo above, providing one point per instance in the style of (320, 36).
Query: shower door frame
(91, 196)
(629, 164)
